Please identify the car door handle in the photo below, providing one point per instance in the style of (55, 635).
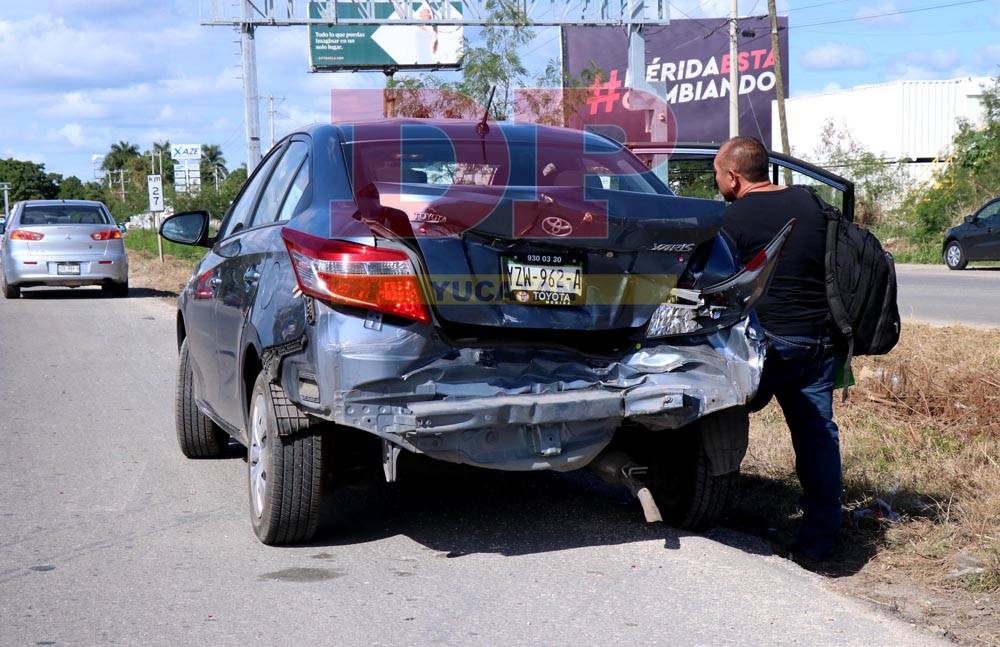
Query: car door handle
(214, 283)
(251, 276)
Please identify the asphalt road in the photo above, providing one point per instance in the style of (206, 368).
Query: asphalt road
(109, 536)
(936, 294)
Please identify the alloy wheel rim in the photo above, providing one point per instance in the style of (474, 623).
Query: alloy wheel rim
(259, 455)
(953, 255)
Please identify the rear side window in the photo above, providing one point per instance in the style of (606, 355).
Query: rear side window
(64, 214)
(296, 193)
(284, 173)
(240, 211)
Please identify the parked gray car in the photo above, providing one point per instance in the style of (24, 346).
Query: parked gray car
(62, 242)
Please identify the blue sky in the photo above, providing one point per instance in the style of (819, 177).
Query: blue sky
(81, 74)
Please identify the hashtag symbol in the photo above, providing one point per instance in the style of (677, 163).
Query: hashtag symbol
(606, 93)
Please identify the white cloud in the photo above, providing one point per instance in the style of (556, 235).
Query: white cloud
(835, 56)
(875, 15)
(74, 134)
(832, 86)
(76, 105)
(936, 59)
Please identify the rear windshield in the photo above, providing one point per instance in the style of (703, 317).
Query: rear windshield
(499, 164)
(64, 214)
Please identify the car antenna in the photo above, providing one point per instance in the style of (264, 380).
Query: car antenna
(482, 127)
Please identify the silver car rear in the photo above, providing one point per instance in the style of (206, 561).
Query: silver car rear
(67, 243)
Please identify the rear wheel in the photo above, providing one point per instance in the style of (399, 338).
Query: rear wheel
(10, 291)
(954, 256)
(687, 491)
(284, 467)
(197, 435)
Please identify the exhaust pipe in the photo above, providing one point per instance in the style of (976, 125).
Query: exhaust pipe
(617, 468)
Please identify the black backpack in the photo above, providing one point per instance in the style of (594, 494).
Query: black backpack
(860, 287)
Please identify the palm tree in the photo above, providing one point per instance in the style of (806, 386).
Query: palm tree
(119, 155)
(213, 164)
(162, 152)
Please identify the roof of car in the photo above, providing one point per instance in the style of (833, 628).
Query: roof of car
(459, 129)
(75, 203)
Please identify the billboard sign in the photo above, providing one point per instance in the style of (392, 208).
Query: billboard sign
(334, 47)
(185, 151)
(688, 62)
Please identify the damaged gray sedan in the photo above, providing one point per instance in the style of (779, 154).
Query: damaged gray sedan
(514, 297)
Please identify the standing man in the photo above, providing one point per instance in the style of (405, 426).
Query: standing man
(800, 364)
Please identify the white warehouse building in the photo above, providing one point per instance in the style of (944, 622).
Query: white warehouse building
(899, 120)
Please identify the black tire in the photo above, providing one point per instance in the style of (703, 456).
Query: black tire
(688, 494)
(286, 454)
(197, 435)
(10, 291)
(955, 258)
(117, 290)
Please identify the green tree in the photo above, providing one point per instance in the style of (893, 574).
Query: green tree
(496, 62)
(213, 165)
(970, 176)
(162, 152)
(118, 157)
(28, 180)
(71, 188)
(878, 183)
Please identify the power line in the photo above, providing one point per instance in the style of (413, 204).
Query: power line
(889, 13)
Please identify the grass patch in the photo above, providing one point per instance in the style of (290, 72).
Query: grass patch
(921, 432)
(144, 240)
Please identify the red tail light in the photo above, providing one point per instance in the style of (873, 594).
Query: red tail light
(24, 234)
(357, 275)
(107, 234)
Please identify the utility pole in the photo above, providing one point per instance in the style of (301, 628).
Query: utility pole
(778, 76)
(734, 72)
(251, 111)
(272, 114)
(6, 200)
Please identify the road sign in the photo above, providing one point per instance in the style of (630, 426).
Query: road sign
(154, 184)
(374, 46)
(185, 151)
(4, 186)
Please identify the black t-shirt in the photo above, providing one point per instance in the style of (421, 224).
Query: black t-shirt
(795, 304)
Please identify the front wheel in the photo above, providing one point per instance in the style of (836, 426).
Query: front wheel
(284, 468)
(954, 256)
(689, 493)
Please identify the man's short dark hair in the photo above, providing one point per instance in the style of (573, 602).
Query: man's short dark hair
(748, 157)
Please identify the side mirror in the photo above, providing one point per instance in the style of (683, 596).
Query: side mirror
(188, 228)
(121, 228)
(970, 219)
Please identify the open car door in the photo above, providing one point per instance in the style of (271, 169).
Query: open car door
(687, 169)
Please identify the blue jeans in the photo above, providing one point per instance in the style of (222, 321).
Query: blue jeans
(799, 371)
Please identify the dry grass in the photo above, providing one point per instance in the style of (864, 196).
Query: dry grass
(166, 278)
(921, 432)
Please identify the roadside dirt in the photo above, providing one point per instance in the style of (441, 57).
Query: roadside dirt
(149, 275)
(920, 439)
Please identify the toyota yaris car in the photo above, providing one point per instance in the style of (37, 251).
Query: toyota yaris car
(512, 297)
(62, 242)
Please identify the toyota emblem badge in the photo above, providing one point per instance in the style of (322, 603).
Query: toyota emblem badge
(556, 226)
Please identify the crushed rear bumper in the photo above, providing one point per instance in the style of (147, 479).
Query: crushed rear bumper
(507, 407)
